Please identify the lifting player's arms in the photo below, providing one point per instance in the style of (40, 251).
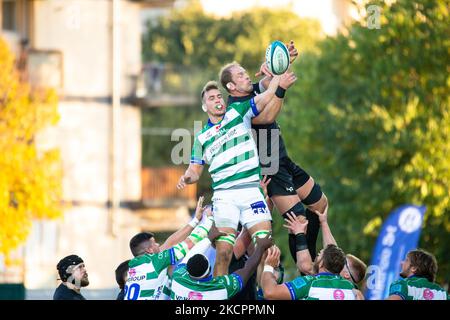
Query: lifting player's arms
(148, 271)
(327, 284)
(192, 279)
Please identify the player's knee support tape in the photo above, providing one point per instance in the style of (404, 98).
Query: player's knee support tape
(260, 234)
(298, 210)
(313, 196)
(229, 238)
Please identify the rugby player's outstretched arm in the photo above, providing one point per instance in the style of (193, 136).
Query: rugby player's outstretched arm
(182, 233)
(261, 100)
(199, 233)
(326, 230)
(272, 290)
(252, 263)
(298, 226)
(273, 108)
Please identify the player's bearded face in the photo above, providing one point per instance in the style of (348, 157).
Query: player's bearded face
(241, 80)
(85, 280)
(406, 268)
(317, 262)
(80, 276)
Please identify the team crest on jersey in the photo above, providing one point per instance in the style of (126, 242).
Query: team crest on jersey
(428, 294)
(193, 295)
(298, 283)
(338, 294)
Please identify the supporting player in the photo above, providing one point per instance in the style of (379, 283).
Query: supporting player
(192, 280)
(327, 284)
(148, 272)
(419, 273)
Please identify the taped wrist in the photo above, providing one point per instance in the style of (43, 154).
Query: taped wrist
(280, 92)
(194, 222)
(300, 242)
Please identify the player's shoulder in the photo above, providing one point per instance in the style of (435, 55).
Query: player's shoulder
(399, 282)
(302, 281)
(137, 261)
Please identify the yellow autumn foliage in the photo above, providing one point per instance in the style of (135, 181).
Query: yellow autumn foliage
(30, 179)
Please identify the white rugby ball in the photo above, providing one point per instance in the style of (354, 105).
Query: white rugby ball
(277, 57)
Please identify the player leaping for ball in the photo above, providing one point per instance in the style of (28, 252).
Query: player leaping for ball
(227, 145)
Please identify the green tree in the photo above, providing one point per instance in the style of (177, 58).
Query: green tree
(190, 37)
(31, 179)
(372, 110)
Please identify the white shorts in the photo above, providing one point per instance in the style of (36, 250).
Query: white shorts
(246, 205)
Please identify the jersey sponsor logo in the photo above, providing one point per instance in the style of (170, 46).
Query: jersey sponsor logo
(193, 295)
(221, 141)
(132, 272)
(258, 207)
(290, 189)
(298, 283)
(338, 294)
(138, 278)
(428, 294)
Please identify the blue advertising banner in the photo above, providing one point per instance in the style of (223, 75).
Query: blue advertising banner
(399, 234)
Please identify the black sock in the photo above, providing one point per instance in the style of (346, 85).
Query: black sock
(292, 248)
(312, 233)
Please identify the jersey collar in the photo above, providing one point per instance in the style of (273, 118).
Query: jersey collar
(325, 274)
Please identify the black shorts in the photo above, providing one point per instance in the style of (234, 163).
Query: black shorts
(288, 179)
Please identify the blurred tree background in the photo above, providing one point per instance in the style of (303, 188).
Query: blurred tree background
(31, 179)
(369, 117)
(372, 111)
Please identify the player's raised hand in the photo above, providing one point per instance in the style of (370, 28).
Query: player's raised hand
(199, 209)
(181, 183)
(208, 210)
(214, 233)
(263, 184)
(293, 52)
(265, 242)
(287, 79)
(264, 70)
(323, 216)
(273, 257)
(296, 224)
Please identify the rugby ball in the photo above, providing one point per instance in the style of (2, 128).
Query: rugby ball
(277, 57)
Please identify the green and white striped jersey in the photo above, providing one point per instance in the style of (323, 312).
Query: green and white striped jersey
(228, 147)
(147, 276)
(323, 286)
(210, 288)
(417, 288)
